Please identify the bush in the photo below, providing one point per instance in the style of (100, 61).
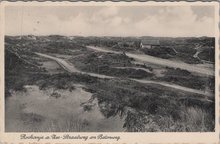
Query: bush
(207, 54)
(162, 52)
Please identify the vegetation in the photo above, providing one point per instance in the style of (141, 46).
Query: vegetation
(33, 124)
(208, 54)
(139, 103)
(188, 59)
(144, 107)
(187, 79)
(107, 64)
(162, 52)
(18, 72)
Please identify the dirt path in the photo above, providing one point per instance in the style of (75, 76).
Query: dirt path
(136, 68)
(175, 87)
(70, 68)
(160, 61)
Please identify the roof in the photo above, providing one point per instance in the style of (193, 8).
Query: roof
(150, 42)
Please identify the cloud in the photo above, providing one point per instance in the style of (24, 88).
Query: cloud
(108, 11)
(176, 22)
(111, 21)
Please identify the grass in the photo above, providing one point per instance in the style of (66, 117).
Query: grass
(68, 125)
(167, 111)
(145, 107)
(193, 119)
(30, 118)
(162, 52)
(188, 79)
(89, 60)
(155, 108)
(207, 54)
(37, 123)
(104, 63)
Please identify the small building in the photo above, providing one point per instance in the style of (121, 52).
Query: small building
(149, 43)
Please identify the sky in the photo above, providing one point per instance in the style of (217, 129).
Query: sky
(164, 21)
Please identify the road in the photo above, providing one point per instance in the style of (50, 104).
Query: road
(71, 69)
(136, 68)
(160, 61)
(66, 66)
(176, 87)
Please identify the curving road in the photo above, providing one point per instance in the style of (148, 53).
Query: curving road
(160, 61)
(71, 69)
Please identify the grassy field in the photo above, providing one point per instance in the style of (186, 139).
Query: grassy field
(143, 107)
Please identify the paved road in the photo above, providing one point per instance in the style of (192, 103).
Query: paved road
(160, 61)
(70, 68)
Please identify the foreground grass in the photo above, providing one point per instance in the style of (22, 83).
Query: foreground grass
(37, 123)
(149, 108)
(193, 119)
(145, 107)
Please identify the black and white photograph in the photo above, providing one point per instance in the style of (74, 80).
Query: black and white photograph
(110, 68)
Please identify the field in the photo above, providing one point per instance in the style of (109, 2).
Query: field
(109, 85)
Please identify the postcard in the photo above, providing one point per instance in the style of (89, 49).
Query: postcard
(109, 72)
